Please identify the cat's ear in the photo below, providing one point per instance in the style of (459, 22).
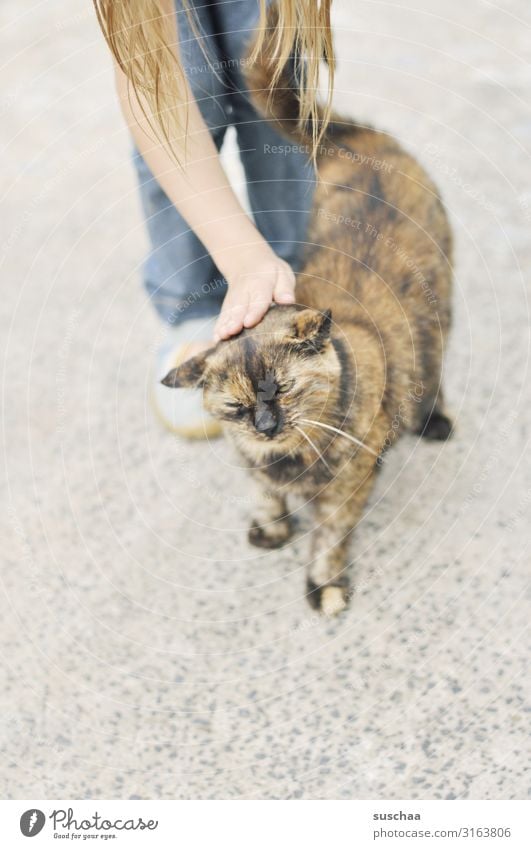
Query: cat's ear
(189, 373)
(311, 328)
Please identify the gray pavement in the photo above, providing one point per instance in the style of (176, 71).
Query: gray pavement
(147, 650)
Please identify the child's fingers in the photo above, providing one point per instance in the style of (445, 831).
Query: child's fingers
(284, 291)
(259, 303)
(232, 313)
(247, 302)
(230, 322)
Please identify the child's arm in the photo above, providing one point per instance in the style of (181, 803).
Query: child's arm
(199, 189)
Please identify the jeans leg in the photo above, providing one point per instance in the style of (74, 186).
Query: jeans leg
(179, 275)
(280, 184)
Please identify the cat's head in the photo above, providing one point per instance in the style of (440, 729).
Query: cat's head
(265, 381)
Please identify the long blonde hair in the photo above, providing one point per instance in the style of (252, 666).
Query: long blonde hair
(141, 35)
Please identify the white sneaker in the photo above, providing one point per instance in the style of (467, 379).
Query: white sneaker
(181, 410)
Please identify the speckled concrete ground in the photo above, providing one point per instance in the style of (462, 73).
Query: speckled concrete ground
(148, 651)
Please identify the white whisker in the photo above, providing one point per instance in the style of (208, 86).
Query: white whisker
(353, 439)
(315, 448)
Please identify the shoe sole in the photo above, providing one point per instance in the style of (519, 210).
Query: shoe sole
(206, 430)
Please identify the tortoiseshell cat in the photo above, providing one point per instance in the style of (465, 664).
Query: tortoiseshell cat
(315, 394)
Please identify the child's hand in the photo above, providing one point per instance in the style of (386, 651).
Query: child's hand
(255, 279)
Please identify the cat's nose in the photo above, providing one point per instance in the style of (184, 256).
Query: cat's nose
(267, 423)
(270, 431)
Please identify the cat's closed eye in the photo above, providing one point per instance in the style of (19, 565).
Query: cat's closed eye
(236, 410)
(284, 388)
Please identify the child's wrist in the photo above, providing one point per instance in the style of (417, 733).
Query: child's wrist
(241, 258)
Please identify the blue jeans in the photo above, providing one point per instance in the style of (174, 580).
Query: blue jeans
(180, 276)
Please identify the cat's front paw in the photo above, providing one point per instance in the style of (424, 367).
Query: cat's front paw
(328, 599)
(273, 535)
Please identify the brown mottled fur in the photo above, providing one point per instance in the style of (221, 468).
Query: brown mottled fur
(378, 257)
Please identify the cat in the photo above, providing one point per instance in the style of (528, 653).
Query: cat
(316, 394)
